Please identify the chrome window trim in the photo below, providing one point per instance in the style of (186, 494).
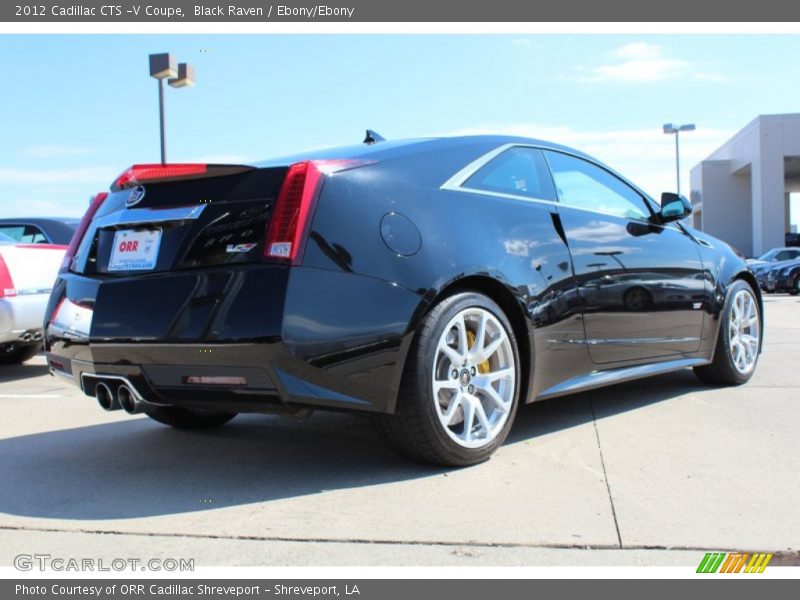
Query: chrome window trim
(457, 181)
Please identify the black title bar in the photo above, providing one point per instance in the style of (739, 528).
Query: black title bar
(464, 11)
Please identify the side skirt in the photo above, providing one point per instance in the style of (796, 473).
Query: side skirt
(597, 379)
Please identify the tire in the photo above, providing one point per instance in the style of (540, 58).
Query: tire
(795, 289)
(181, 418)
(425, 426)
(731, 341)
(18, 354)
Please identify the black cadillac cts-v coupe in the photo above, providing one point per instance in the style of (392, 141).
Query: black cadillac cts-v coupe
(436, 284)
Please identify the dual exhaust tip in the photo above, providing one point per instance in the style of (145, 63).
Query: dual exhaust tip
(115, 397)
(31, 336)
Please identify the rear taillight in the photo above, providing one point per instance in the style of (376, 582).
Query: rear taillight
(80, 231)
(6, 283)
(141, 174)
(157, 172)
(294, 207)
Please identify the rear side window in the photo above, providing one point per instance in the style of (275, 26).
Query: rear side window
(24, 234)
(517, 171)
(584, 185)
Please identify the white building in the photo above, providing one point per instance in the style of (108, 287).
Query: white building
(741, 192)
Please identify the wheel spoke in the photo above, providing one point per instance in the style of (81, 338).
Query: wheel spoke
(463, 343)
(456, 359)
(469, 416)
(445, 384)
(480, 335)
(492, 394)
(489, 350)
(452, 409)
(480, 413)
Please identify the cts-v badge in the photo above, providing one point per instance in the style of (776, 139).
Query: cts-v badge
(233, 248)
(136, 196)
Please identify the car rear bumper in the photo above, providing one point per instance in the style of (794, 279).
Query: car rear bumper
(288, 338)
(21, 318)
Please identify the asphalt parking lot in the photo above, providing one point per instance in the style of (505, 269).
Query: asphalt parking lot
(653, 472)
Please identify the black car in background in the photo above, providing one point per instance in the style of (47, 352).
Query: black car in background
(435, 284)
(783, 277)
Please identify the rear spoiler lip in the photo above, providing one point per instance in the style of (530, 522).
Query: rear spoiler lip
(139, 174)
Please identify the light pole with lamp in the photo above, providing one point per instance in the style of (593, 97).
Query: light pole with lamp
(163, 66)
(669, 128)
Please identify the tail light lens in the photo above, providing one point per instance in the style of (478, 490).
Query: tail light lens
(6, 283)
(148, 173)
(157, 172)
(291, 218)
(80, 231)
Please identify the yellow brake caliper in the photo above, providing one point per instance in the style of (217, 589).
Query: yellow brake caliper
(483, 367)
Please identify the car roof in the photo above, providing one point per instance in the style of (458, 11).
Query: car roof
(395, 148)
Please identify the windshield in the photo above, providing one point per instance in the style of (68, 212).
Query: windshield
(769, 255)
(4, 239)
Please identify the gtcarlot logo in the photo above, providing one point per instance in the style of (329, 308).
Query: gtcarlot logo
(47, 562)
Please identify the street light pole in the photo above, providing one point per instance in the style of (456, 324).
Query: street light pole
(163, 66)
(161, 121)
(669, 128)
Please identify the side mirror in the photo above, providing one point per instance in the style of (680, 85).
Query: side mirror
(674, 208)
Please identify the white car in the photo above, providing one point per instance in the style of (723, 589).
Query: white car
(27, 274)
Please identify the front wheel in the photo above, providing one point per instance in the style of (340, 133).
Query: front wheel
(738, 341)
(460, 387)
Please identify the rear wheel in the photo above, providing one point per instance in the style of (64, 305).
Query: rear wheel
(795, 289)
(738, 341)
(16, 354)
(182, 418)
(460, 388)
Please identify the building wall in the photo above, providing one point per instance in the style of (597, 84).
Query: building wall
(728, 215)
(742, 185)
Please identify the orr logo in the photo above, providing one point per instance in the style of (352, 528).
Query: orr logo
(128, 246)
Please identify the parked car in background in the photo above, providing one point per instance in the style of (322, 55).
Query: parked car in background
(784, 277)
(435, 284)
(774, 255)
(27, 273)
(36, 230)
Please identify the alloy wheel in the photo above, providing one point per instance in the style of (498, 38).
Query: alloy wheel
(744, 328)
(474, 378)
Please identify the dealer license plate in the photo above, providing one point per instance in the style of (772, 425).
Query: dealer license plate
(135, 250)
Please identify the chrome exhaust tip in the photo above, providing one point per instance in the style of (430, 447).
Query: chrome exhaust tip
(105, 397)
(127, 400)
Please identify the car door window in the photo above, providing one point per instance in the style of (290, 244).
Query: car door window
(581, 184)
(519, 171)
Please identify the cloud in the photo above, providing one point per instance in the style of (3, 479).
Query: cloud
(645, 156)
(54, 151)
(639, 62)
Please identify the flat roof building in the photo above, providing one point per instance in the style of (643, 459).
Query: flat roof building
(740, 193)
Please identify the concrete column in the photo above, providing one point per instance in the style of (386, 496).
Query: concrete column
(769, 193)
(787, 213)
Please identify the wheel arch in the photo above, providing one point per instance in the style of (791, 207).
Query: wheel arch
(513, 307)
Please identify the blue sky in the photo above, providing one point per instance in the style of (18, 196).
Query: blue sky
(78, 109)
